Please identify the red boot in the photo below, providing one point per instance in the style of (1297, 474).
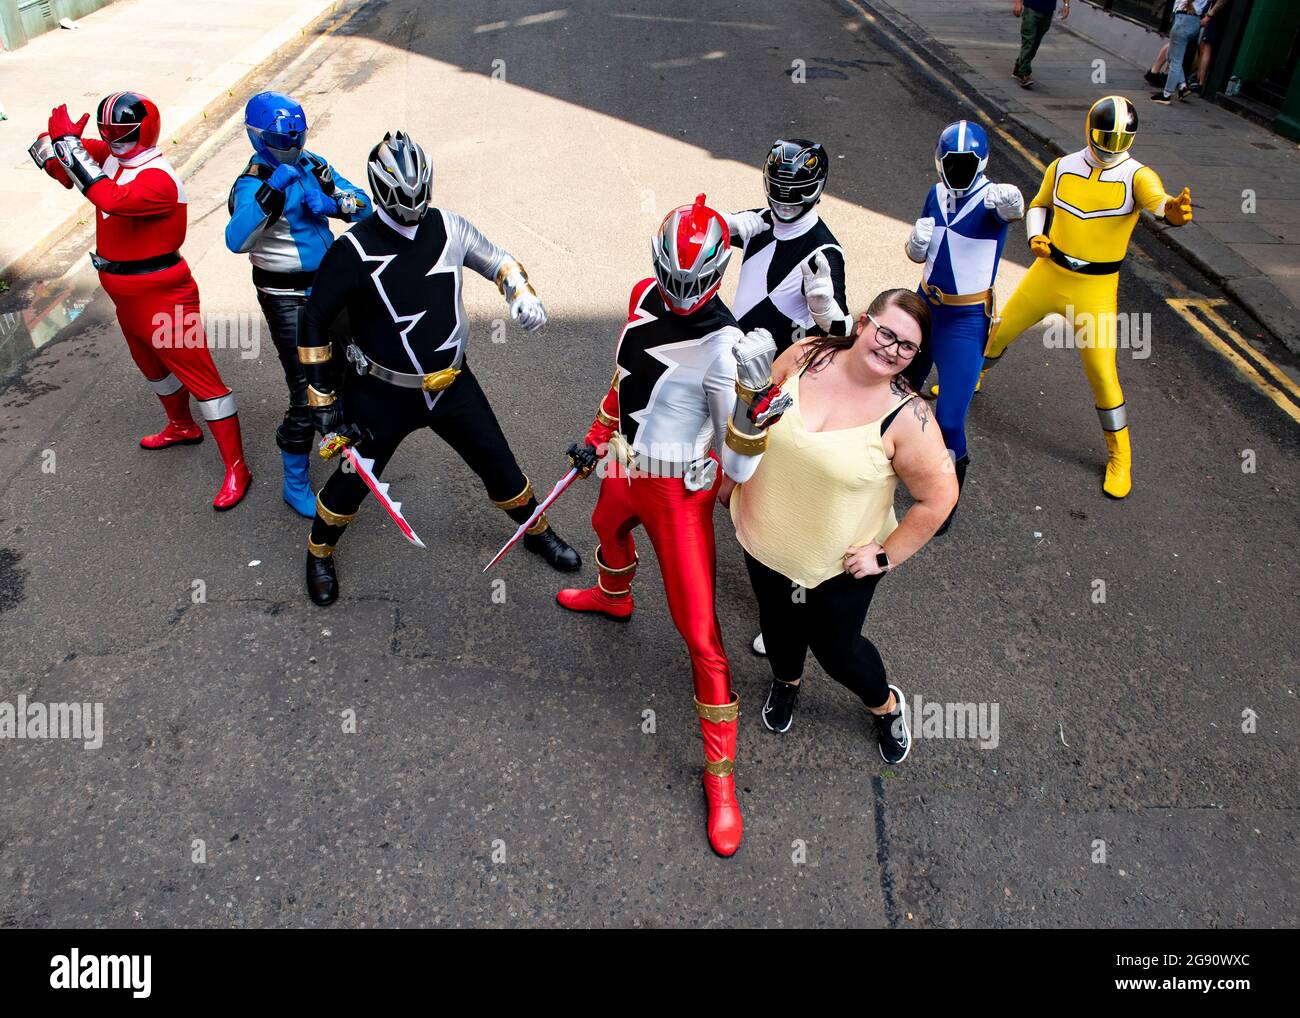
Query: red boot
(234, 487)
(611, 596)
(180, 429)
(718, 723)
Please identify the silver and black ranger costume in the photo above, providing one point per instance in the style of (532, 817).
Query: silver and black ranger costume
(399, 275)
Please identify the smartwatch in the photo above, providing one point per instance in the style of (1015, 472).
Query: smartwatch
(882, 560)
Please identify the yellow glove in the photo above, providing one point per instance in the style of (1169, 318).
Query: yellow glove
(1040, 245)
(1179, 210)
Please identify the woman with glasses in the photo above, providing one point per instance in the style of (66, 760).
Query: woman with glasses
(816, 521)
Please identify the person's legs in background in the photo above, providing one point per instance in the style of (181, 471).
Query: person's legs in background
(1033, 26)
(1181, 35)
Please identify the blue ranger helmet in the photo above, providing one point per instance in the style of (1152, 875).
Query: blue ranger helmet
(277, 127)
(961, 155)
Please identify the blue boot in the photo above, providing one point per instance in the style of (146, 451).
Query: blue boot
(297, 484)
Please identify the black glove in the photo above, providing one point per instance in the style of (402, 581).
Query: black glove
(584, 458)
(327, 419)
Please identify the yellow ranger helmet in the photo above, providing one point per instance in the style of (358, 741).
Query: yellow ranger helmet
(1112, 125)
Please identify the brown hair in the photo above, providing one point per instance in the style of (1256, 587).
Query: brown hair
(910, 303)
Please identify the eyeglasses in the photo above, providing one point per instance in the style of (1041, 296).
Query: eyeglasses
(888, 338)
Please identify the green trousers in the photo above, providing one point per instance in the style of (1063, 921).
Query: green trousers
(1033, 26)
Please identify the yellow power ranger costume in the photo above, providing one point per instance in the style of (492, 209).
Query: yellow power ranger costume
(1095, 197)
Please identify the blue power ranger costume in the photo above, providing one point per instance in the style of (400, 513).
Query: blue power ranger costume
(959, 237)
(280, 207)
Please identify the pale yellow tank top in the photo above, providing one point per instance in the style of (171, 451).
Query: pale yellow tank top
(815, 495)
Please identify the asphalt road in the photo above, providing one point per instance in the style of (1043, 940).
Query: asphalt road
(499, 773)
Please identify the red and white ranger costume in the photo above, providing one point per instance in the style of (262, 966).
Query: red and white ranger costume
(139, 230)
(670, 403)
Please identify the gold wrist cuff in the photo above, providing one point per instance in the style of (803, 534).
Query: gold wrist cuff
(520, 499)
(721, 712)
(720, 768)
(537, 528)
(320, 550)
(604, 419)
(317, 398)
(746, 445)
(505, 270)
(331, 517)
(748, 394)
(314, 354)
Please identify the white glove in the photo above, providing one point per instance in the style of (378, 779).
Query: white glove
(817, 286)
(527, 310)
(754, 353)
(745, 225)
(918, 243)
(1006, 200)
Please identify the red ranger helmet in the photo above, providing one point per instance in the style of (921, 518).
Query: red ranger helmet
(129, 122)
(690, 252)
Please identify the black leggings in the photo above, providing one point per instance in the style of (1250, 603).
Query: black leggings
(826, 619)
(462, 418)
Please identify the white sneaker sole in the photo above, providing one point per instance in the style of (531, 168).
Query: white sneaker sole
(898, 693)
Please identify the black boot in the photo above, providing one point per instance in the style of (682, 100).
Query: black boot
(322, 580)
(551, 547)
(960, 466)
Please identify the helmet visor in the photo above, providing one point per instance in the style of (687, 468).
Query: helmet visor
(285, 145)
(959, 170)
(1110, 141)
(118, 133)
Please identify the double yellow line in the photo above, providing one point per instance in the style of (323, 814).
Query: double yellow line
(1234, 348)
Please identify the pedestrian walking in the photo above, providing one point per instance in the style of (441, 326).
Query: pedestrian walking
(1182, 34)
(1035, 19)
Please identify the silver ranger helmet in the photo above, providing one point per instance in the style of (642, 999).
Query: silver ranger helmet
(401, 178)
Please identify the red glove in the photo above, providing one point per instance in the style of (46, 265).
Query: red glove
(61, 124)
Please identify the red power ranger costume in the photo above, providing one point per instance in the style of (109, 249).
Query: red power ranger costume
(138, 236)
(671, 399)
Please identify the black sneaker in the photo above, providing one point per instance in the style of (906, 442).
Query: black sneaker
(895, 736)
(1154, 79)
(1163, 98)
(778, 712)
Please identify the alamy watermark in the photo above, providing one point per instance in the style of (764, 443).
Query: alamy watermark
(1106, 330)
(179, 329)
(936, 719)
(35, 720)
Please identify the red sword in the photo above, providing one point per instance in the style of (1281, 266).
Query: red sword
(334, 443)
(556, 492)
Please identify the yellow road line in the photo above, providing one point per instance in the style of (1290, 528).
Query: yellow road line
(1207, 306)
(1183, 306)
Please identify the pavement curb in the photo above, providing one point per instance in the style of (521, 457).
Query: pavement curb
(191, 109)
(1210, 256)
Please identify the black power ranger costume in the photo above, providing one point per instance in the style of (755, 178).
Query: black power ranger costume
(398, 274)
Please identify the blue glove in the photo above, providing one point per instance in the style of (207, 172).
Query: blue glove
(284, 175)
(319, 202)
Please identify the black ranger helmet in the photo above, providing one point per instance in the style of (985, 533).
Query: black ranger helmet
(401, 178)
(794, 176)
(1112, 126)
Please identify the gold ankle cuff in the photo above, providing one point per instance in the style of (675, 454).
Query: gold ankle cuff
(520, 499)
(611, 593)
(621, 570)
(720, 768)
(331, 517)
(538, 527)
(719, 712)
(320, 550)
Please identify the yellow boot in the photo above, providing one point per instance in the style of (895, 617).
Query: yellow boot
(1119, 465)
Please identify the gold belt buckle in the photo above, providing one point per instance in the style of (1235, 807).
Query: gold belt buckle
(438, 380)
(934, 293)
